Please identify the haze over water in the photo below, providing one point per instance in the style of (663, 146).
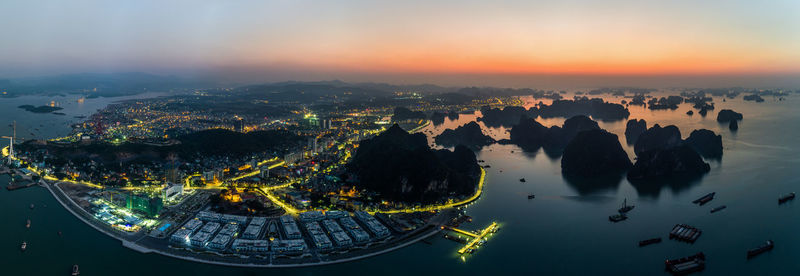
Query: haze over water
(564, 230)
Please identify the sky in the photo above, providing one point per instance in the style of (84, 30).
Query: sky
(448, 42)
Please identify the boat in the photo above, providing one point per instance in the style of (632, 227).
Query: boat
(785, 198)
(24, 246)
(32, 206)
(28, 224)
(717, 209)
(625, 207)
(531, 196)
(649, 241)
(618, 217)
(686, 265)
(767, 246)
(705, 199)
(522, 180)
(75, 270)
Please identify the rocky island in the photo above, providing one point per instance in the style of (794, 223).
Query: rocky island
(530, 135)
(400, 166)
(661, 154)
(727, 115)
(469, 135)
(706, 143)
(633, 129)
(40, 109)
(594, 152)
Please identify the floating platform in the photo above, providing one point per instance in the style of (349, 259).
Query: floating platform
(686, 265)
(683, 232)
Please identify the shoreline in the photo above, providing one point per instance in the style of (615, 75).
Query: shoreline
(415, 237)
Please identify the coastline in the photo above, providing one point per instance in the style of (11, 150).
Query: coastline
(415, 237)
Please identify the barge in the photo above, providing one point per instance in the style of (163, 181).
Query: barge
(767, 246)
(686, 265)
(618, 217)
(704, 199)
(717, 209)
(785, 198)
(683, 232)
(649, 241)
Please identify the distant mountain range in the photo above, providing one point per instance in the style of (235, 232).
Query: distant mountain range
(106, 85)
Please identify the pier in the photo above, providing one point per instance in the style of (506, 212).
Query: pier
(477, 238)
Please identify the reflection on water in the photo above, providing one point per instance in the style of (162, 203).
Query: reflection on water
(593, 185)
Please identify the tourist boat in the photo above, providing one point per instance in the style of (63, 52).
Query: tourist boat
(686, 265)
(625, 207)
(24, 246)
(785, 198)
(618, 217)
(75, 270)
(28, 224)
(531, 196)
(522, 180)
(705, 199)
(767, 246)
(717, 209)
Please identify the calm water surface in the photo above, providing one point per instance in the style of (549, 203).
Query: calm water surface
(564, 230)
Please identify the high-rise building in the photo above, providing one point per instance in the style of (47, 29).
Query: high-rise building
(150, 206)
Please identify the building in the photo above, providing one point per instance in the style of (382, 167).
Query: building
(250, 246)
(290, 229)
(147, 205)
(172, 189)
(311, 216)
(182, 236)
(321, 240)
(293, 246)
(372, 224)
(171, 172)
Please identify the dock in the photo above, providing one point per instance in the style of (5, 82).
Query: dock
(683, 232)
(12, 187)
(476, 239)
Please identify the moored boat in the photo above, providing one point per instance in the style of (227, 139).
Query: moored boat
(767, 246)
(785, 198)
(686, 265)
(704, 199)
(649, 241)
(618, 217)
(625, 207)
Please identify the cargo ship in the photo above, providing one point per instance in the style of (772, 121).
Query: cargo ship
(767, 246)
